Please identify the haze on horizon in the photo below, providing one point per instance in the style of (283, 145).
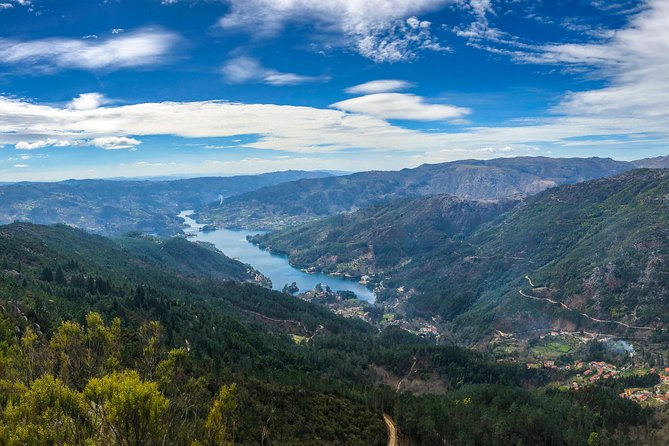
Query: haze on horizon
(150, 88)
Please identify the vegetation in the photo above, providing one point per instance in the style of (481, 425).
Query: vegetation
(598, 247)
(378, 240)
(113, 348)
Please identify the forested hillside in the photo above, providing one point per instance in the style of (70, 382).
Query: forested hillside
(115, 207)
(295, 202)
(598, 247)
(378, 240)
(100, 346)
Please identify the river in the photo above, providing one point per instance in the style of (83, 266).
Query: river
(277, 268)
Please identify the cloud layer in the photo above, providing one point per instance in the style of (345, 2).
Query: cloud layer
(140, 49)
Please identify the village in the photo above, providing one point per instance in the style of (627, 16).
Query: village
(594, 371)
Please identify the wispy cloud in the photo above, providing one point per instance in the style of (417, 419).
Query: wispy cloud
(401, 106)
(244, 69)
(103, 142)
(139, 49)
(381, 30)
(380, 86)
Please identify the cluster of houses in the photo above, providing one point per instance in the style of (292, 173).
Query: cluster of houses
(592, 372)
(658, 394)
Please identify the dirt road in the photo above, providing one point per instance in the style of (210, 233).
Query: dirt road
(392, 430)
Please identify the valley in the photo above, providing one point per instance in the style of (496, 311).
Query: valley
(414, 316)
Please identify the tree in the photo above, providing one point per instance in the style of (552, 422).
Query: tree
(47, 413)
(219, 425)
(60, 276)
(69, 345)
(47, 274)
(127, 411)
(150, 334)
(82, 353)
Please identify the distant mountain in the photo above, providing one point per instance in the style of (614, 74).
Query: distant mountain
(660, 162)
(375, 241)
(112, 207)
(600, 247)
(307, 199)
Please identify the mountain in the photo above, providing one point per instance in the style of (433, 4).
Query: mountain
(659, 162)
(113, 207)
(377, 240)
(295, 202)
(100, 345)
(196, 259)
(592, 251)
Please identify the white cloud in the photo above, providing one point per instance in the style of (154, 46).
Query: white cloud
(634, 62)
(311, 130)
(114, 142)
(244, 69)
(40, 144)
(6, 6)
(139, 49)
(480, 28)
(117, 30)
(401, 106)
(88, 101)
(103, 142)
(20, 166)
(381, 30)
(379, 86)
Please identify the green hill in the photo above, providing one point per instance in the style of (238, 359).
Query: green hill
(598, 247)
(382, 239)
(226, 361)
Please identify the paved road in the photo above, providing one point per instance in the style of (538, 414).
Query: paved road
(392, 430)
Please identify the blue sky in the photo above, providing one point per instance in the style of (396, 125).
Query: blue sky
(145, 88)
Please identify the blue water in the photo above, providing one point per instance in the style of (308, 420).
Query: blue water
(234, 244)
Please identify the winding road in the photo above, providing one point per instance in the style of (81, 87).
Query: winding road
(392, 430)
(593, 319)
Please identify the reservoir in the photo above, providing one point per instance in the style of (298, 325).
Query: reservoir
(233, 244)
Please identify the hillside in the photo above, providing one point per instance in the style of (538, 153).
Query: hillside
(377, 240)
(599, 247)
(191, 258)
(115, 207)
(171, 355)
(296, 202)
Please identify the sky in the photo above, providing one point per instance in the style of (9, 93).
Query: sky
(112, 88)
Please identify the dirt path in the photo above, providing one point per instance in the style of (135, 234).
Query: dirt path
(392, 430)
(411, 371)
(593, 319)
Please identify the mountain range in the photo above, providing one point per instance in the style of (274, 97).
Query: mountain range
(593, 254)
(114, 207)
(290, 203)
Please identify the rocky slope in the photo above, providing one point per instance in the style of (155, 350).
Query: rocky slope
(300, 201)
